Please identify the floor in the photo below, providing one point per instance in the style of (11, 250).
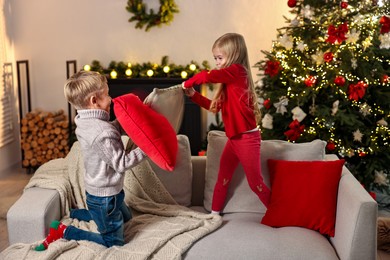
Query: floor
(11, 187)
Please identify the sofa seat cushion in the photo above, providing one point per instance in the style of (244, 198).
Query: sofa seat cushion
(241, 236)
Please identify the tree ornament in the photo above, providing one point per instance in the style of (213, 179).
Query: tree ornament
(328, 56)
(330, 146)
(357, 136)
(344, 5)
(381, 178)
(267, 103)
(298, 114)
(385, 41)
(335, 107)
(357, 91)
(281, 105)
(385, 79)
(310, 81)
(292, 3)
(272, 68)
(385, 22)
(295, 130)
(337, 35)
(149, 19)
(339, 81)
(267, 121)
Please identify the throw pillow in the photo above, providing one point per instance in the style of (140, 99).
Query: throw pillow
(304, 194)
(178, 182)
(240, 197)
(168, 102)
(147, 129)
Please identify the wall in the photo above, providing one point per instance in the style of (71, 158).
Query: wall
(49, 32)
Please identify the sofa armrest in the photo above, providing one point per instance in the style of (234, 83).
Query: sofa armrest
(198, 179)
(28, 220)
(356, 221)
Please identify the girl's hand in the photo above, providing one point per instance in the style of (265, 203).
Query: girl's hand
(189, 92)
(182, 85)
(215, 106)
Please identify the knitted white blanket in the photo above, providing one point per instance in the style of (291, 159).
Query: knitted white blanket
(160, 229)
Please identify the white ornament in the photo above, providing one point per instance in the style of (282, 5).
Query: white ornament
(267, 121)
(301, 46)
(286, 41)
(298, 114)
(353, 36)
(382, 122)
(295, 23)
(318, 58)
(335, 107)
(354, 63)
(365, 109)
(281, 105)
(357, 136)
(307, 12)
(381, 178)
(385, 41)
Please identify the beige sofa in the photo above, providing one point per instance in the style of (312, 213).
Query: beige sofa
(241, 235)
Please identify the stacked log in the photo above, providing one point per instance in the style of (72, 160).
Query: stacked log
(44, 136)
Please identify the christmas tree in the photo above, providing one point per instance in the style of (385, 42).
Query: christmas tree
(326, 77)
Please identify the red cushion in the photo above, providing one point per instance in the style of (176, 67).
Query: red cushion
(149, 130)
(304, 194)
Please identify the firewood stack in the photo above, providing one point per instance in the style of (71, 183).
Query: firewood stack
(44, 136)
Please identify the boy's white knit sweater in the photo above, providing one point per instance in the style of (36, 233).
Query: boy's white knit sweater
(105, 158)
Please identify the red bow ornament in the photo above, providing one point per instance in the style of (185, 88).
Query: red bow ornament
(272, 68)
(337, 35)
(357, 91)
(295, 130)
(385, 22)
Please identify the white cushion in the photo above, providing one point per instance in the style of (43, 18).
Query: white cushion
(169, 102)
(178, 182)
(240, 197)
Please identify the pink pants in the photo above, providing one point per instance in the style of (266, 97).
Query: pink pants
(245, 149)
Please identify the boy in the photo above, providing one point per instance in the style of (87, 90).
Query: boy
(105, 161)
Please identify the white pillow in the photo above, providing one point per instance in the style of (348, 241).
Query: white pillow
(179, 181)
(240, 198)
(169, 102)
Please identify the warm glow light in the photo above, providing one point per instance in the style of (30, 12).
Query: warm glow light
(87, 67)
(129, 72)
(149, 73)
(113, 74)
(184, 74)
(192, 67)
(166, 69)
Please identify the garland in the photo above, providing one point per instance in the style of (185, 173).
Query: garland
(165, 69)
(140, 15)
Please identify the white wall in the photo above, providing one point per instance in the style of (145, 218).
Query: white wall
(49, 32)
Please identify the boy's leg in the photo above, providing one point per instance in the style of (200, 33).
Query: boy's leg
(81, 214)
(228, 163)
(56, 231)
(106, 213)
(126, 212)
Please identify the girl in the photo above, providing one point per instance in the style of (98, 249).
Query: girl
(236, 97)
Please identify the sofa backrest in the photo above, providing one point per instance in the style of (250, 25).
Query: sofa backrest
(179, 181)
(244, 200)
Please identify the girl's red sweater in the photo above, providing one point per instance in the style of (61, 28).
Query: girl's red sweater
(237, 107)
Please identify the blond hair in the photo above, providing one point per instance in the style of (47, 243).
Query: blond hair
(82, 85)
(233, 45)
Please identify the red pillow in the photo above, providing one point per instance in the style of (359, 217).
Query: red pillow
(304, 194)
(149, 130)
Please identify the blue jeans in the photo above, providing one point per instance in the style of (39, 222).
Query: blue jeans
(109, 214)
